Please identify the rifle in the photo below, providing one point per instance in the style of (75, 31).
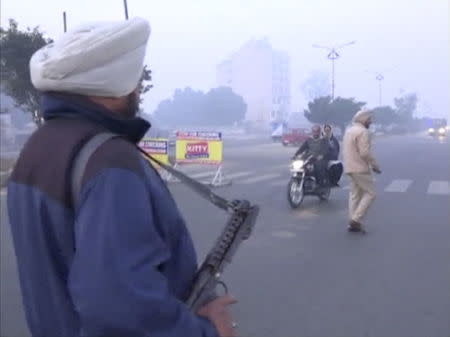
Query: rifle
(237, 229)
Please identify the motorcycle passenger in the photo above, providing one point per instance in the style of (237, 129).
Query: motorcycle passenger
(334, 171)
(332, 141)
(319, 148)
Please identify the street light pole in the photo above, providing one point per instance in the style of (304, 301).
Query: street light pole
(380, 78)
(125, 5)
(65, 22)
(333, 56)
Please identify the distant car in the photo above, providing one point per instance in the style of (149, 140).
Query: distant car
(438, 131)
(431, 131)
(294, 137)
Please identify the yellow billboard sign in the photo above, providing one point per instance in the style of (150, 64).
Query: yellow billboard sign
(199, 147)
(157, 148)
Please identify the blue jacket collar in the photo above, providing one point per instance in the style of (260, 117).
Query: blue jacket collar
(55, 105)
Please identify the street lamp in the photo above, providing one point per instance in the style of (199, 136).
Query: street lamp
(379, 78)
(333, 55)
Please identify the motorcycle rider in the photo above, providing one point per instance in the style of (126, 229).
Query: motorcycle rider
(319, 148)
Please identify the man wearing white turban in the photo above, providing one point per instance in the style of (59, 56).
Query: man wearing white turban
(116, 259)
(358, 163)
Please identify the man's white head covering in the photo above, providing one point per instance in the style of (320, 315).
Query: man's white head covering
(97, 59)
(362, 116)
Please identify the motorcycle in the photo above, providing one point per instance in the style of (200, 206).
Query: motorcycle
(303, 182)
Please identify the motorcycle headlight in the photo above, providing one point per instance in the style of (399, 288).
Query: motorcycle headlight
(430, 130)
(441, 131)
(297, 165)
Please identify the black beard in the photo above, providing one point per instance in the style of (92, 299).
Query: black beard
(132, 107)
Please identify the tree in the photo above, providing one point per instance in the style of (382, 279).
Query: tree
(17, 47)
(406, 106)
(338, 112)
(223, 107)
(145, 85)
(220, 106)
(385, 115)
(319, 110)
(317, 84)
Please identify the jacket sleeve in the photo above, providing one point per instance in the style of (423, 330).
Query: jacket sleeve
(365, 149)
(115, 280)
(304, 147)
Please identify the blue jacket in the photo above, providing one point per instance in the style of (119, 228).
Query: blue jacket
(122, 262)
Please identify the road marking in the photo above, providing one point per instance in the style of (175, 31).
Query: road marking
(398, 186)
(439, 187)
(237, 175)
(260, 178)
(203, 174)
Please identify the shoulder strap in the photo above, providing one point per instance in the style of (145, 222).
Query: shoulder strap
(81, 160)
(196, 186)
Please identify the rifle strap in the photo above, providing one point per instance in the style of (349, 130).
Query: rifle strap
(82, 158)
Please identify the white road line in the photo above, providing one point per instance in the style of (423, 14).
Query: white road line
(260, 178)
(398, 186)
(202, 175)
(237, 175)
(439, 187)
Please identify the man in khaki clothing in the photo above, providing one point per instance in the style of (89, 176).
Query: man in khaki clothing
(358, 164)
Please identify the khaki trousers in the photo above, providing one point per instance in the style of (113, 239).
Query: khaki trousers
(362, 195)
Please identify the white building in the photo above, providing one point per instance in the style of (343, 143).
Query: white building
(261, 75)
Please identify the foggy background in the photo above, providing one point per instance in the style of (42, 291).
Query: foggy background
(406, 40)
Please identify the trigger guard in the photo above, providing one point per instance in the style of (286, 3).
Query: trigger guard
(225, 288)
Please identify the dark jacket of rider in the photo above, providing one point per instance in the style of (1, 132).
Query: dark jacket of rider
(333, 143)
(315, 147)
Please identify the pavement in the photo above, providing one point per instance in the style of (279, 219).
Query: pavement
(301, 273)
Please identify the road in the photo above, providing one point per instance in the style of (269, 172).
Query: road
(301, 273)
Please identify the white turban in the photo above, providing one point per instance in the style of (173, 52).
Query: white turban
(362, 116)
(98, 59)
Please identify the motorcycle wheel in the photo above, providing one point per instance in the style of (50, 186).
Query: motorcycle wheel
(295, 193)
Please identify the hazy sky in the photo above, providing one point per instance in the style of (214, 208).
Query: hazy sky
(407, 40)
